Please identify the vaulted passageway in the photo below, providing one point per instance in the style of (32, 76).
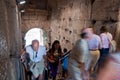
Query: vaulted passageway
(60, 19)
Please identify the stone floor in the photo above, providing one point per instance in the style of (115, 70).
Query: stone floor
(91, 78)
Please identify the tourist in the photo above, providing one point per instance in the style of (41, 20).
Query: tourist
(78, 60)
(37, 58)
(53, 56)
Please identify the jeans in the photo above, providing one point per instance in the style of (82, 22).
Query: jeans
(104, 52)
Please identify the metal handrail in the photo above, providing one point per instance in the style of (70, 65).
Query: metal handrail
(65, 55)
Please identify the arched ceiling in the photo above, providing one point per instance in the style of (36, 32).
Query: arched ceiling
(40, 4)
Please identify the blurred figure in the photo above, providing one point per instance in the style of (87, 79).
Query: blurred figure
(106, 38)
(37, 58)
(110, 68)
(94, 43)
(65, 65)
(53, 56)
(25, 59)
(78, 60)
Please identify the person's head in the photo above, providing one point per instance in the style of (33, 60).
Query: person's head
(56, 44)
(89, 31)
(35, 45)
(64, 50)
(109, 68)
(83, 35)
(103, 29)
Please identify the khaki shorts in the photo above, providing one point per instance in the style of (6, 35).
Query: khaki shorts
(94, 56)
(37, 68)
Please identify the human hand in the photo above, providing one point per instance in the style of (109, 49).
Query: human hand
(85, 75)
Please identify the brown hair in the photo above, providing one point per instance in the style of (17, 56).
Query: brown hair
(92, 27)
(103, 29)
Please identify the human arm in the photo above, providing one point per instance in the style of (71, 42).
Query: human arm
(50, 57)
(84, 50)
(22, 57)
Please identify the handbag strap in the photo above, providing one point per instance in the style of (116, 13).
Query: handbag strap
(108, 38)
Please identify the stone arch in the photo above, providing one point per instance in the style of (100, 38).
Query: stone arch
(36, 33)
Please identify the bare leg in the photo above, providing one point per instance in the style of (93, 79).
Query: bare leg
(40, 77)
(33, 77)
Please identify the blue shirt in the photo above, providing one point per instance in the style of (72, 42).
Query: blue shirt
(65, 63)
(36, 56)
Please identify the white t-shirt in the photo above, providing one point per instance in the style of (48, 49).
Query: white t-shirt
(41, 51)
(105, 39)
(94, 42)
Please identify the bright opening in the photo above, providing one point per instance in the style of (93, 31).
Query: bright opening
(37, 34)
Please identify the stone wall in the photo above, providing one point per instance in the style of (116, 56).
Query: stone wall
(68, 18)
(10, 43)
(63, 23)
(34, 18)
(105, 12)
(117, 38)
